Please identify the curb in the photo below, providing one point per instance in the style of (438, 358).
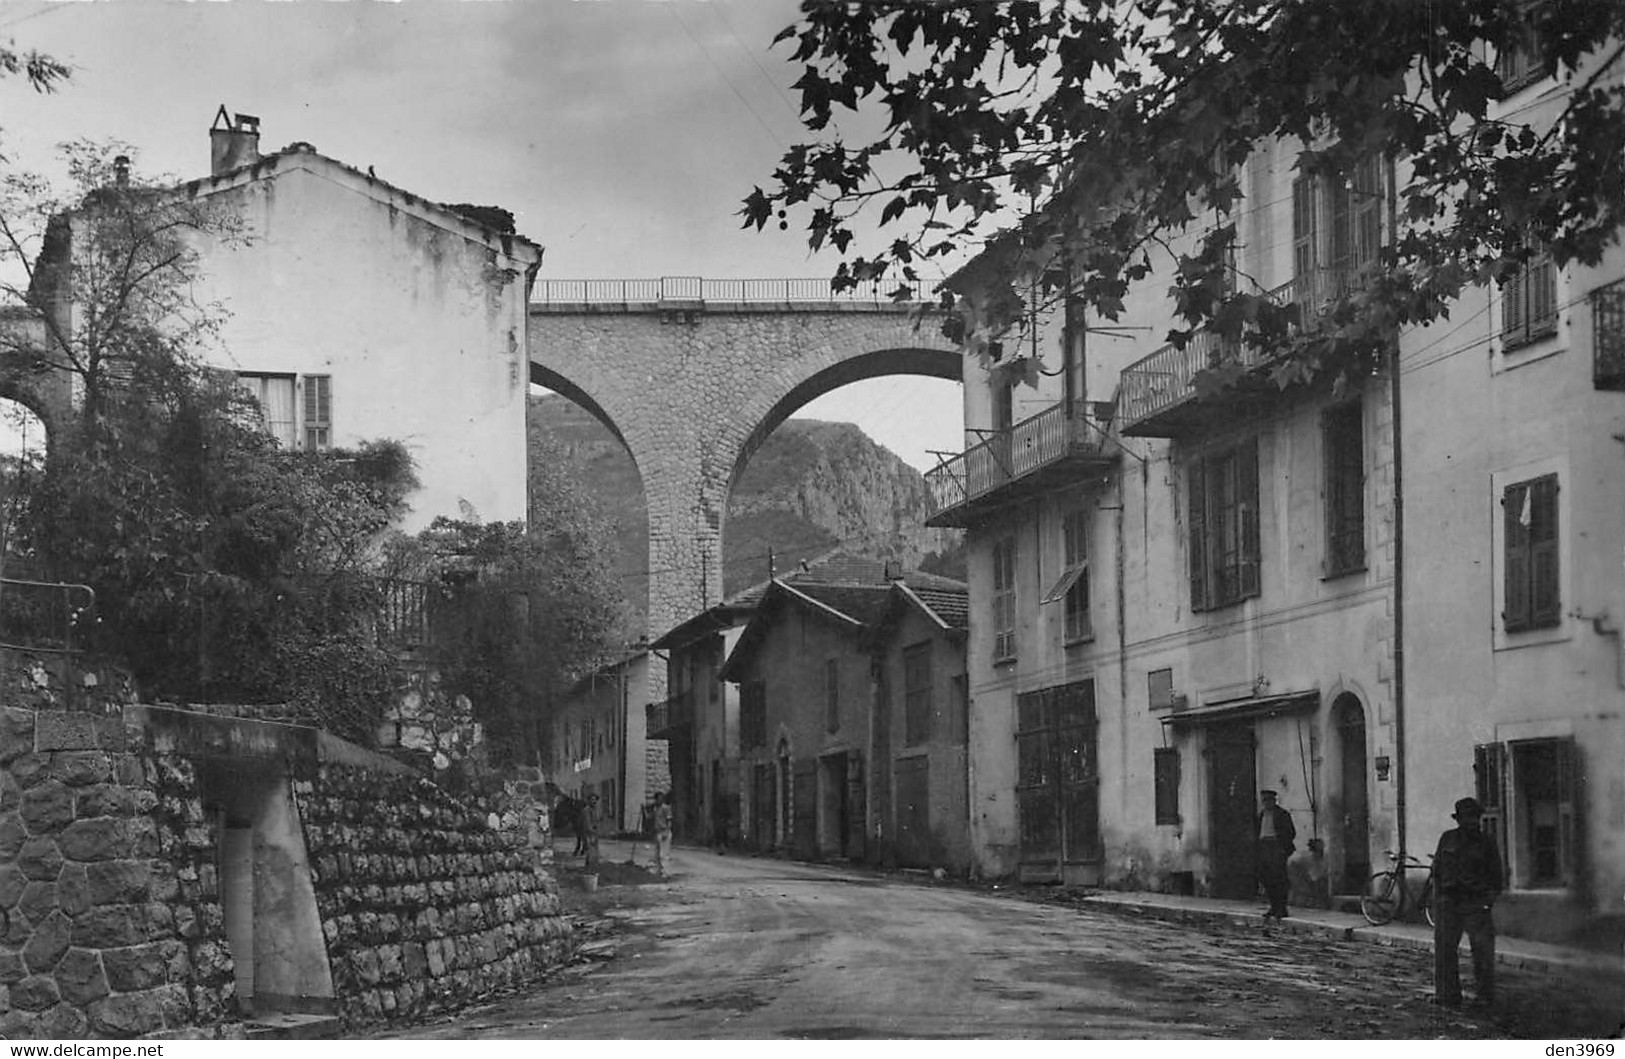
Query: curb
(1580, 964)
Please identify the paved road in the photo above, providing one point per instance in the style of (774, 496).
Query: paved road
(745, 947)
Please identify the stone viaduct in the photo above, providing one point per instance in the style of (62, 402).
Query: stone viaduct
(692, 375)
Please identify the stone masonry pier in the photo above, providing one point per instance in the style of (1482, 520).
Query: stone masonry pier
(692, 375)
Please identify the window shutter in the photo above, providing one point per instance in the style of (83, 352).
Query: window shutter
(1368, 200)
(1569, 787)
(1342, 249)
(1515, 558)
(1196, 483)
(1513, 319)
(318, 412)
(1545, 603)
(1541, 281)
(1247, 497)
(1303, 230)
(1488, 767)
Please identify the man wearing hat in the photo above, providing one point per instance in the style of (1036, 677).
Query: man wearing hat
(1276, 841)
(1466, 881)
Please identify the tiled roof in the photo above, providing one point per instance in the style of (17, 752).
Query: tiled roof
(826, 579)
(862, 603)
(951, 605)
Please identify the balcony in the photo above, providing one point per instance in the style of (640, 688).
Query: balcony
(668, 719)
(1158, 396)
(1608, 336)
(1036, 454)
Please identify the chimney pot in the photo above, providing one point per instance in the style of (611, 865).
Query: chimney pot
(233, 142)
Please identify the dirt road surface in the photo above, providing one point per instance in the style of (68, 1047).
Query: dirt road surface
(751, 947)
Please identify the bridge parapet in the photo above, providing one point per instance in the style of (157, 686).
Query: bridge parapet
(695, 290)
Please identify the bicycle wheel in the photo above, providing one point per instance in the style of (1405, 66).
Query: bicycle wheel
(1426, 898)
(1380, 903)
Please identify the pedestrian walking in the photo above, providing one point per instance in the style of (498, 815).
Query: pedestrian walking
(1277, 839)
(662, 827)
(589, 832)
(1467, 878)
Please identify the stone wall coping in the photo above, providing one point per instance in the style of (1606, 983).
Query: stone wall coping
(331, 749)
(763, 307)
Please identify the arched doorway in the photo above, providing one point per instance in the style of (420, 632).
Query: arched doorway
(1355, 824)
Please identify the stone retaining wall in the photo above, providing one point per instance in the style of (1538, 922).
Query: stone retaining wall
(111, 917)
(107, 879)
(425, 905)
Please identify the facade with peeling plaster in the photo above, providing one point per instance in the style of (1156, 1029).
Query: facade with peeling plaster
(1182, 598)
(851, 716)
(1176, 602)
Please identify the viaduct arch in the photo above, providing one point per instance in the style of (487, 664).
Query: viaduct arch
(692, 376)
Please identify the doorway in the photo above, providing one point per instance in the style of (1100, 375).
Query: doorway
(1355, 824)
(835, 809)
(1232, 810)
(762, 808)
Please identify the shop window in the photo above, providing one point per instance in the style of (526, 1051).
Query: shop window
(1531, 791)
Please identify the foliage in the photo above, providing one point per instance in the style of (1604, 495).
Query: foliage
(1093, 131)
(121, 254)
(42, 71)
(224, 567)
(526, 613)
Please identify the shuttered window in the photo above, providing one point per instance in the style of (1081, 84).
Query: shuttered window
(318, 409)
(832, 694)
(1224, 532)
(1305, 230)
(1532, 597)
(1343, 438)
(1529, 301)
(917, 693)
(1004, 599)
(1165, 769)
(1073, 584)
(752, 715)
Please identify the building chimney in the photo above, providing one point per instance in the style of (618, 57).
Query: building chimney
(233, 142)
(121, 170)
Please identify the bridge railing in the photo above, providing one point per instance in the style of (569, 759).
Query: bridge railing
(696, 288)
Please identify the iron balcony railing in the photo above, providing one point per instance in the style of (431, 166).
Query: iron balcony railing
(1608, 336)
(674, 713)
(1009, 455)
(51, 616)
(697, 289)
(1166, 378)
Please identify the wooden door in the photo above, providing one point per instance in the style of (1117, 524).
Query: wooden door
(913, 801)
(1356, 822)
(1232, 811)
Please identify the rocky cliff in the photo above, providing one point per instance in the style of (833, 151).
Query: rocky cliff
(812, 486)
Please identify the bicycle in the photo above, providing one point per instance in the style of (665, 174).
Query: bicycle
(1387, 895)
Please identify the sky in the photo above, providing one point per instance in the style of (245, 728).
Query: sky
(621, 133)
